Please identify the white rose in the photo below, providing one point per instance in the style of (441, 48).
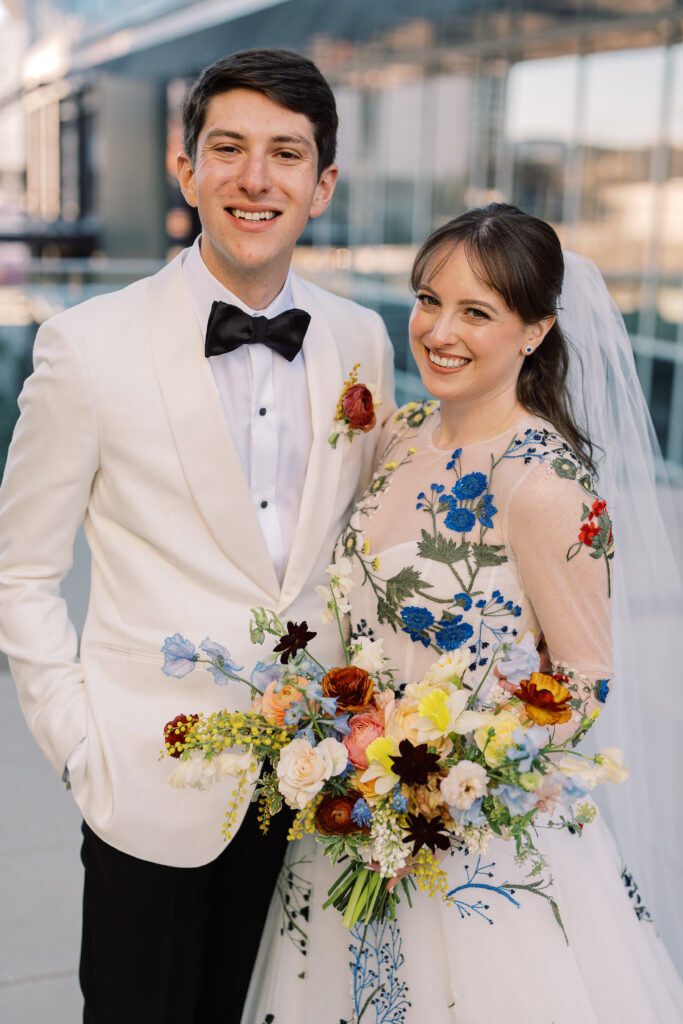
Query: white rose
(465, 783)
(450, 664)
(302, 769)
(336, 753)
(611, 767)
(370, 655)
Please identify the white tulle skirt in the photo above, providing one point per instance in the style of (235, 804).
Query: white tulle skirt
(494, 955)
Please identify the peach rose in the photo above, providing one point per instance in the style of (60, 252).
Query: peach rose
(364, 729)
(401, 720)
(279, 696)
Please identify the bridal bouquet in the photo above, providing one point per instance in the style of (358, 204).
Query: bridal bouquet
(388, 779)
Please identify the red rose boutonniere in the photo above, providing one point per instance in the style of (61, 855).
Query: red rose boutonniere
(355, 409)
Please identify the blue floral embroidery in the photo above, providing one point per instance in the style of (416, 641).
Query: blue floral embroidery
(453, 633)
(461, 520)
(417, 620)
(475, 881)
(375, 966)
(470, 486)
(602, 690)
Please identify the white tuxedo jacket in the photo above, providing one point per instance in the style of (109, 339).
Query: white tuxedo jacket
(122, 428)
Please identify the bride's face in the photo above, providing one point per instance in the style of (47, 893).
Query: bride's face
(467, 343)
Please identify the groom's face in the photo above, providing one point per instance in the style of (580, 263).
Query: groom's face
(255, 183)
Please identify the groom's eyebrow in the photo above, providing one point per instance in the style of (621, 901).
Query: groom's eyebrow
(226, 133)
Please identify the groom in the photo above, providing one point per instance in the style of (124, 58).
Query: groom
(207, 485)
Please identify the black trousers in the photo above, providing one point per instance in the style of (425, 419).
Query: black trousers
(163, 944)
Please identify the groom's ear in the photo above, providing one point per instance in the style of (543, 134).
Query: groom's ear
(186, 179)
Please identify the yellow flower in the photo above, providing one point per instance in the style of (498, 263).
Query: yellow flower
(366, 546)
(434, 707)
(390, 465)
(503, 726)
(375, 564)
(382, 749)
(411, 451)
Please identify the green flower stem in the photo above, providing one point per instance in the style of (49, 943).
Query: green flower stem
(339, 625)
(473, 698)
(357, 899)
(230, 675)
(333, 891)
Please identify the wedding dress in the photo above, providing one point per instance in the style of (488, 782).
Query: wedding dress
(463, 551)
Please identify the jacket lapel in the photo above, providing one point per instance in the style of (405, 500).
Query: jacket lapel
(325, 383)
(202, 437)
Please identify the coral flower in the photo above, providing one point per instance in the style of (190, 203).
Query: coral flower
(545, 699)
(278, 698)
(364, 729)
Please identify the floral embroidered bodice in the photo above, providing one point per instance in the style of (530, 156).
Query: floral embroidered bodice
(466, 550)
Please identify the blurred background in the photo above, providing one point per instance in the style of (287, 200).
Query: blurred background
(572, 109)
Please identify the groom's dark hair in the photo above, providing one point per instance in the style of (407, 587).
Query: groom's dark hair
(284, 77)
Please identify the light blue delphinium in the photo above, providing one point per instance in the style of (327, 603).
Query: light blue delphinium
(265, 673)
(527, 746)
(399, 802)
(517, 800)
(221, 655)
(573, 789)
(472, 816)
(521, 660)
(179, 656)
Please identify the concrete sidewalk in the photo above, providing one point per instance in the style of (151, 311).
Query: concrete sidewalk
(40, 881)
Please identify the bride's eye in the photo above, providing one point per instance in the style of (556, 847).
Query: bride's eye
(476, 313)
(425, 299)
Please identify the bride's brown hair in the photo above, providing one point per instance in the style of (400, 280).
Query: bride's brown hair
(520, 257)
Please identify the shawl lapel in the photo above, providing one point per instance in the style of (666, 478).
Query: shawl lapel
(202, 437)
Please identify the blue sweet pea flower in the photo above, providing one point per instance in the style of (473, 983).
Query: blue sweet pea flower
(221, 655)
(461, 520)
(517, 801)
(263, 674)
(528, 744)
(437, 488)
(473, 816)
(179, 656)
(470, 486)
(454, 458)
(453, 633)
(486, 510)
(361, 813)
(573, 789)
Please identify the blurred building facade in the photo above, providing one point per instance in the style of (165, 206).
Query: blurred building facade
(572, 110)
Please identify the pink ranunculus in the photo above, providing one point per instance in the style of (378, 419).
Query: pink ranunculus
(364, 729)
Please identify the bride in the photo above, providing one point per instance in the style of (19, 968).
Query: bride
(490, 502)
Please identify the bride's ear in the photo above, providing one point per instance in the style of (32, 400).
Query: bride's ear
(536, 333)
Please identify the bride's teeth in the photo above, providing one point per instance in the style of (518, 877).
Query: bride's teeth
(253, 215)
(448, 361)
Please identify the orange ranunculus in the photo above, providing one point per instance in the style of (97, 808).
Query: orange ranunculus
(279, 696)
(545, 699)
(352, 687)
(333, 816)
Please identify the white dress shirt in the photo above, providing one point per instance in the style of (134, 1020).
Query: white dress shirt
(267, 409)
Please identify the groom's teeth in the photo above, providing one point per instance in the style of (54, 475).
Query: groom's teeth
(252, 214)
(448, 361)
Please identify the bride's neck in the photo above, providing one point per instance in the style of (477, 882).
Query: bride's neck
(464, 424)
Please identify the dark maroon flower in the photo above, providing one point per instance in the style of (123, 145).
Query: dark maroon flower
(176, 732)
(414, 765)
(358, 408)
(333, 816)
(295, 639)
(423, 832)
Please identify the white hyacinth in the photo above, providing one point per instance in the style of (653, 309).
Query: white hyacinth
(388, 848)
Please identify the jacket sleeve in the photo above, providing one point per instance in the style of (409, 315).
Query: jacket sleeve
(50, 469)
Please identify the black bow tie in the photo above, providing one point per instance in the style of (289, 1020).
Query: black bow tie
(229, 327)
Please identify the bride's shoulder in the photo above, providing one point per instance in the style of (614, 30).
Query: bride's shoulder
(409, 420)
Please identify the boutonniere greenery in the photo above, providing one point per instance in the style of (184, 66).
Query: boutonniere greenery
(355, 409)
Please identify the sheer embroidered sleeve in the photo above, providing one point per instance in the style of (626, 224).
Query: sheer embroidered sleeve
(560, 537)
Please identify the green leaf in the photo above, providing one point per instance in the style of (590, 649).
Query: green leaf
(442, 549)
(404, 585)
(489, 554)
